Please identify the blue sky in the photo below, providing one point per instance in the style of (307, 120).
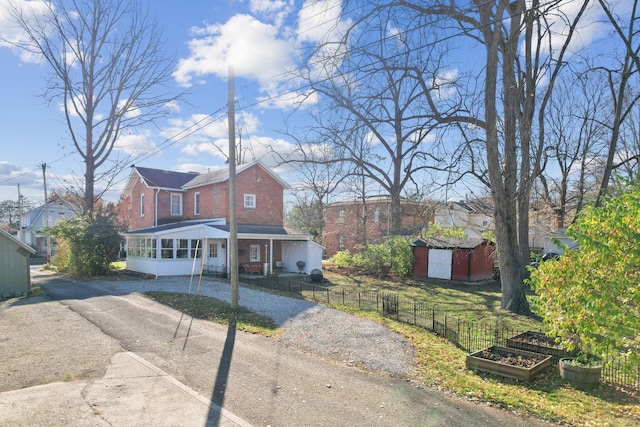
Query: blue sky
(260, 37)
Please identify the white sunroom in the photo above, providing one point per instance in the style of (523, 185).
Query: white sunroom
(192, 246)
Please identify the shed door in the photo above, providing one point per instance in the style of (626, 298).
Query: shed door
(440, 261)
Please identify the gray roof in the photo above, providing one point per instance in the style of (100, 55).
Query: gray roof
(165, 179)
(242, 229)
(448, 243)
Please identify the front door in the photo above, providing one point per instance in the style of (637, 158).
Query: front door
(216, 256)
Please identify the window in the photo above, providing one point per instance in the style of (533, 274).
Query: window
(213, 250)
(254, 253)
(376, 215)
(182, 248)
(341, 216)
(250, 201)
(142, 205)
(340, 242)
(176, 204)
(166, 248)
(196, 249)
(196, 204)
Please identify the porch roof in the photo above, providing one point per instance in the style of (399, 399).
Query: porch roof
(245, 231)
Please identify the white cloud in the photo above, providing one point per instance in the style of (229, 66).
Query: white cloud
(252, 47)
(11, 35)
(320, 21)
(135, 144)
(276, 10)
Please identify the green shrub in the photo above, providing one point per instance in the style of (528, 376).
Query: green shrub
(592, 294)
(343, 259)
(87, 244)
(394, 256)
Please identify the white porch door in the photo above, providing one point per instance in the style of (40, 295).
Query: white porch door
(216, 256)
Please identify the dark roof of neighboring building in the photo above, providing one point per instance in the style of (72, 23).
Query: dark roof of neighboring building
(163, 178)
(448, 243)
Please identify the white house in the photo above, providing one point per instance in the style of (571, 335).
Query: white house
(33, 221)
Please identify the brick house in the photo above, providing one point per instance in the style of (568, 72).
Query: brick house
(180, 221)
(350, 224)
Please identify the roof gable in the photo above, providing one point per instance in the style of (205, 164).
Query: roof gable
(222, 175)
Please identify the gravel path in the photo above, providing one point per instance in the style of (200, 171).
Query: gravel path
(306, 325)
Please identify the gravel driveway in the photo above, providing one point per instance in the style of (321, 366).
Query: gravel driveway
(305, 325)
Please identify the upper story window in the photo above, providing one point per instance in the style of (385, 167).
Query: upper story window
(376, 215)
(341, 214)
(142, 204)
(250, 201)
(176, 204)
(196, 204)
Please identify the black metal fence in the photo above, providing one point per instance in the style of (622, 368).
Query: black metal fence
(468, 335)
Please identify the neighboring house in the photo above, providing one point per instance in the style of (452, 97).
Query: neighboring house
(15, 278)
(349, 224)
(33, 221)
(179, 223)
(549, 244)
(464, 260)
(475, 217)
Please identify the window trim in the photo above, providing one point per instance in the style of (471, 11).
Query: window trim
(171, 205)
(141, 204)
(196, 203)
(253, 199)
(251, 253)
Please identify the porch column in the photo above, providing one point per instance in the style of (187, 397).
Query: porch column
(270, 256)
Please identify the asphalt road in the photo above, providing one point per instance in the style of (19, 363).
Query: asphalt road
(257, 378)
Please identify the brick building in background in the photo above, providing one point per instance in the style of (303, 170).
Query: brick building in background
(351, 224)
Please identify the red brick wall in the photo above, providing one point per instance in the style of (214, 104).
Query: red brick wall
(269, 198)
(214, 201)
(352, 228)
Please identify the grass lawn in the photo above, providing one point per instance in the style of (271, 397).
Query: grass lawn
(441, 364)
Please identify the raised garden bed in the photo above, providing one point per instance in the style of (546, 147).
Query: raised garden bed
(509, 362)
(537, 342)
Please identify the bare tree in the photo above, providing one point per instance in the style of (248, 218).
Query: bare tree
(374, 113)
(619, 81)
(511, 40)
(109, 72)
(575, 137)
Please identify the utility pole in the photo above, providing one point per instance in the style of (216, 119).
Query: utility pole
(233, 220)
(46, 211)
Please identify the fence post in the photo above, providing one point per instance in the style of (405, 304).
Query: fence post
(343, 296)
(328, 297)
(415, 313)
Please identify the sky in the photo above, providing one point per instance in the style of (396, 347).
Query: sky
(260, 37)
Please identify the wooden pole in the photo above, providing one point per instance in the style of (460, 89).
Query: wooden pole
(233, 220)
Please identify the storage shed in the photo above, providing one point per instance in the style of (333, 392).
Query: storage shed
(464, 260)
(15, 278)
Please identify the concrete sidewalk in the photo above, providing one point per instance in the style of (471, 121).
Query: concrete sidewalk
(133, 392)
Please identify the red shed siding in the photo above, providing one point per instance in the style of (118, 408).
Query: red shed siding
(468, 265)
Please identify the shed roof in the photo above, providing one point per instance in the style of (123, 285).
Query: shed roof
(26, 247)
(448, 243)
